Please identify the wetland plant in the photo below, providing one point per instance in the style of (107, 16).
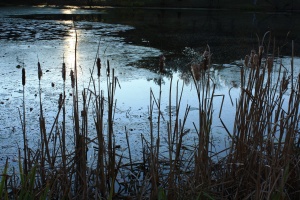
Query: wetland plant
(262, 160)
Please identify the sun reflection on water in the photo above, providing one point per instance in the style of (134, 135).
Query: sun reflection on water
(68, 11)
(69, 50)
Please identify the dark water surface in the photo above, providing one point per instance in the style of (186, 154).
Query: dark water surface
(230, 34)
(132, 39)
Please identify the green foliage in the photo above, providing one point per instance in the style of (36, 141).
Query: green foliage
(27, 190)
(3, 193)
(161, 194)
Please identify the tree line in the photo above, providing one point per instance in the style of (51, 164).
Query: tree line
(235, 4)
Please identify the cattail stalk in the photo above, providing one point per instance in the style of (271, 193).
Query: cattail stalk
(79, 153)
(24, 122)
(40, 73)
(63, 72)
(42, 124)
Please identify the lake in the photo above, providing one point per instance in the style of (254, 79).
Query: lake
(132, 40)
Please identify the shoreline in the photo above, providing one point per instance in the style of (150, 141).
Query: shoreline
(244, 8)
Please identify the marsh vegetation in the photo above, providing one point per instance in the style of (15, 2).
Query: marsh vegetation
(261, 159)
(203, 130)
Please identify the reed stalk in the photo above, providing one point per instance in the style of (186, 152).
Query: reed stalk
(42, 129)
(64, 116)
(101, 181)
(24, 122)
(261, 163)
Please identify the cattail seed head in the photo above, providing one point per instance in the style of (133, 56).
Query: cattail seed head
(40, 72)
(23, 76)
(108, 68)
(204, 64)
(98, 66)
(252, 56)
(270, 64)
(246, 62)
(260, 50)
(255, 60)
(284, 84)
(234, 84)
(72, 78)
(63, 71)
(161, 64)
(60, 101)
(196, 71)
(206, 60)
(206, 54)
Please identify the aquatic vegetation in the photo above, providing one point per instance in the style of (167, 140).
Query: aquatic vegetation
(261, 160)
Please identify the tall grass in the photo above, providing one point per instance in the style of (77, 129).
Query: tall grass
(262, 160)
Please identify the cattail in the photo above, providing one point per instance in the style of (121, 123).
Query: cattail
(234, 84)
(205, 54)
(255, 60)
(204, 64)
(246, 62)
(206, 59)
(23, 76)
(270, 64)
(252, 56)
(162, 59)
(98, 66)
(72, 78)
(196, 71)
(60, 101)
(284, 84)
(63, 71)
(260, 50)
(40, 72)
(108, 69)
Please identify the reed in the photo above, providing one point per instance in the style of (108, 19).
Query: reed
(261, 153)
(24, 122)
(63, 153)
(261, 163)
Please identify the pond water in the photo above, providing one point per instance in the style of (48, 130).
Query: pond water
(132, 40)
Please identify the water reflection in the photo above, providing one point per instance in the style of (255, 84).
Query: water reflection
(68, 11)
(69, 50)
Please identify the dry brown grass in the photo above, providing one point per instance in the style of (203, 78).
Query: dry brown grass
(262, 163)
